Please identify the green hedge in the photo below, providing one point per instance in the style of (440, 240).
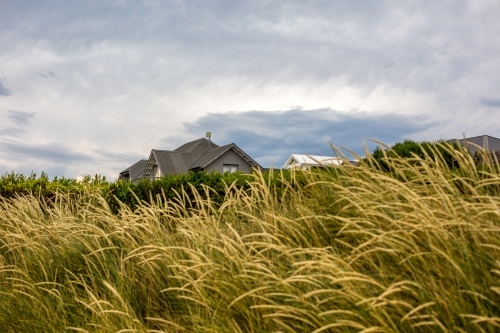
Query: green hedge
(168, 187)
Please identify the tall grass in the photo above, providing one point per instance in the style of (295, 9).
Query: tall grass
(355, 250)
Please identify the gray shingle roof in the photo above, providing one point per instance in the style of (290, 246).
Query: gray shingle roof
(170, 162)
(190, 146)
(209, 156)
(135, 170)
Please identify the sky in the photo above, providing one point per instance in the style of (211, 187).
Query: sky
(91, 87)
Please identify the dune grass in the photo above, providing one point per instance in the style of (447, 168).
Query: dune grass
(355, 250)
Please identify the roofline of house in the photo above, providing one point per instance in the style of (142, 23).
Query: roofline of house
(133, 165)
(198, 142)
(237, 149)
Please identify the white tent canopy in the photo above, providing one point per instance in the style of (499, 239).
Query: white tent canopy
(305, 161)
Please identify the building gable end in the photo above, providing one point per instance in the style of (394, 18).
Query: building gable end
(150, 164)
(237, 150)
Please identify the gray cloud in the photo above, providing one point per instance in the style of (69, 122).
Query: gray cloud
(49, 75)
(11, 131)
(118, 161)
(56, 159)
(20, 117)
(112, 154)
(3, 89)
(20, 120)
(493, 102)
(49, 152)
(51, 169)
(273, 136)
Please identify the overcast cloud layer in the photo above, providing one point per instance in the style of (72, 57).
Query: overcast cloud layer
(92, 87)
(273, 135)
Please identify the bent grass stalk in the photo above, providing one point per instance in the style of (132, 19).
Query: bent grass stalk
(353, 250)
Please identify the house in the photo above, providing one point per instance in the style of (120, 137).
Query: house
(197, 155)
(487, 142)
(299, 161)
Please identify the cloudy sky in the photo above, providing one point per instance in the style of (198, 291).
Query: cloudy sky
(93, 86)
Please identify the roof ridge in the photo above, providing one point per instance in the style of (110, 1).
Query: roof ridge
(213, 158)
(138, 162)
(204, 155)
(195, 145)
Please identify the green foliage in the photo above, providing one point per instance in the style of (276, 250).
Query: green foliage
(417, 151)
(14, 185)
(168, 187)
(215, 185)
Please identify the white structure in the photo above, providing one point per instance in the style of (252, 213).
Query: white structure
(299, 161)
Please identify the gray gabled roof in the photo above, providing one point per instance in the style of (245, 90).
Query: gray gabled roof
(179, 160)
(209, 155)
(485, 141)
(136, 169)
(215, 153)
(170, 162)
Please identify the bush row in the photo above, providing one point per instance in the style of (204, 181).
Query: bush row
(168, 187)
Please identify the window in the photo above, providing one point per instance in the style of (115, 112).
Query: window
(229, 168)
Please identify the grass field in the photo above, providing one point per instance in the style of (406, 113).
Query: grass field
(355, 250)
